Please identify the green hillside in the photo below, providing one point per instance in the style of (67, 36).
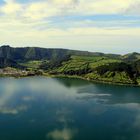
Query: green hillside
(100, 67)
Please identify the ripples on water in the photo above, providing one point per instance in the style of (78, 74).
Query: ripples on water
(40, 108)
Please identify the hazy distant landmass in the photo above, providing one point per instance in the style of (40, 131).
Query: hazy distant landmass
(111, 68)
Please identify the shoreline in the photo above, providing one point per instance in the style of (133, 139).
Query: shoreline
(70, 76)
(94, 81)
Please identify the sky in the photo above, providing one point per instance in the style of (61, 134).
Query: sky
(110, 26)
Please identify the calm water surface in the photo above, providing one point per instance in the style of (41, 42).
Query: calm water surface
(40, 108)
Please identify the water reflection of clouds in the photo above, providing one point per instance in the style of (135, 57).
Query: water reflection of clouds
(116, 100)
(96, 98)
(59, 103)
(62, 134)
(64, 118)
(109, 95)
(134, 109)
(15, 92)
(49, 87)
(132, 106)
(10, 88)
(27, 98)
(132, 118)
(91, 92)
(13, 110)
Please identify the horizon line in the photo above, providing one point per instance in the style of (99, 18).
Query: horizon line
(68, 49)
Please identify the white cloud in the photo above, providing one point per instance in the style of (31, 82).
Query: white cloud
(35, 23)
(39, 10)
(133, 9)
(11, 8)
(75, 38)
(42, 9)
(63, 2)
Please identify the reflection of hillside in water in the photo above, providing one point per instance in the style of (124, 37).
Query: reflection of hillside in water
(72, 82)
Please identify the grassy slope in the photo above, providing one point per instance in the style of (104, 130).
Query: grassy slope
(81, 62)
(85, 66)
(32, 64)
(88, 67)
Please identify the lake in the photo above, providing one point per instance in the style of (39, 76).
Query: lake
(40, 108)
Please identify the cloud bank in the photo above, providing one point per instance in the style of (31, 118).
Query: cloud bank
(78, 24)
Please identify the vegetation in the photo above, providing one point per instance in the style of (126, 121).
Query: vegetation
(92, 66)
(32, 64)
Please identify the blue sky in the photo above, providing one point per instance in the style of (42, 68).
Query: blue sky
(110, 26)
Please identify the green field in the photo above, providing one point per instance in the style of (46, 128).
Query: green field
(90, 67)
(32, 64)
(84, 62)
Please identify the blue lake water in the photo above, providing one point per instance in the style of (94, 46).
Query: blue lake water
(40, 108)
